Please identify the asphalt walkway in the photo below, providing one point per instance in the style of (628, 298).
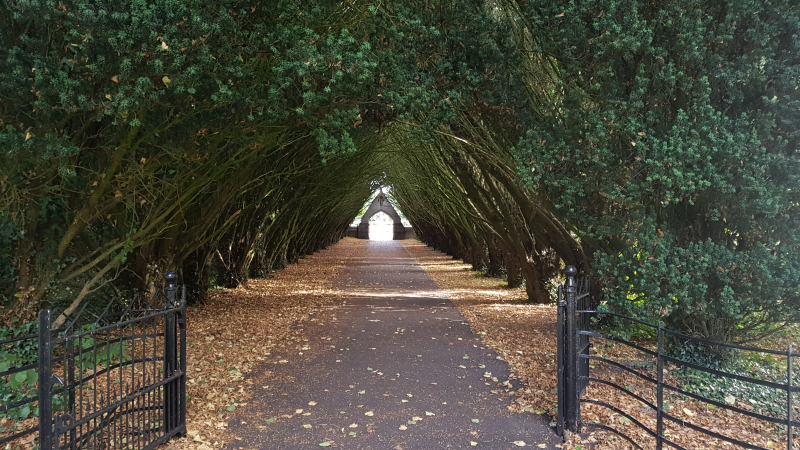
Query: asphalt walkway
(402, 372)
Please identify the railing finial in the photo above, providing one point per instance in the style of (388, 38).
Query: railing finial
(569, 273)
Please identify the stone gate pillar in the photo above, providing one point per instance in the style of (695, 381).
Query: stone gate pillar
(399, 232)
(363, 230)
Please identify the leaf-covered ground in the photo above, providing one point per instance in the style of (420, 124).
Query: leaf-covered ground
(525, 334)
(277, 323)
(235, 329)
(267, 322)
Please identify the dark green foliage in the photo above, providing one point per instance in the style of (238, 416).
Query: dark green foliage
(763, 400)
(652, 144)
(668, 140)
(21, 385)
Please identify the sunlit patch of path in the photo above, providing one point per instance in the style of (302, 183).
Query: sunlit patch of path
(401, 371)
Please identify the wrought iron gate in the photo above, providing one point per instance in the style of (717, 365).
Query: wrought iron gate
(117, 380)
(573, 370)
(574, 312)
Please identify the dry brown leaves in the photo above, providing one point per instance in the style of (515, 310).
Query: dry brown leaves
(256, 325)
(526, 334)
(687, 410)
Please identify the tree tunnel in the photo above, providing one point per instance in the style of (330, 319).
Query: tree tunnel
(227, 142)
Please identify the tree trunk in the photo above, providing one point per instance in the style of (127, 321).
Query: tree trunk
(513, 271)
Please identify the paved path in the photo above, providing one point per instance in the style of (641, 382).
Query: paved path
(402, 350)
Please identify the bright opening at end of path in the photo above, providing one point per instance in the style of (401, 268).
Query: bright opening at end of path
(381, 227)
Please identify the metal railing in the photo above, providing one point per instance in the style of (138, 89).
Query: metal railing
(114, 378)
(574, 374)
(23, 397)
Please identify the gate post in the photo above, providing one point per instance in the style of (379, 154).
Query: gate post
(363, 230)
(45, 381)
(182, 363)
(571, 393)
(398, 231)
(561, 306)
(789, 406)
(171, 389)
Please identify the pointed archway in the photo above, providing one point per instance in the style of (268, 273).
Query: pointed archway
(381, 204)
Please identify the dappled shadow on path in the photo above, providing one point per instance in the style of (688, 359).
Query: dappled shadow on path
(398, 368)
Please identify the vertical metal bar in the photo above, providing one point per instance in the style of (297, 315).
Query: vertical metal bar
(571, 352)
(151, 402)
(45, 383)
(789, 406)
(145, 397)
(79, 383)
(111, 396)
(170, 353)
(157, 393)
(69, 388)
(561, 305)
(660, 388)
(182, 367)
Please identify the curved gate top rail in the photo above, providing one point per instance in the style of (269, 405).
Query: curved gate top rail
(114, 378)
(574, 376)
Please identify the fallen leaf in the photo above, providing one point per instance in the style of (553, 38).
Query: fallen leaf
(475, 420)
(519, 443)
(312, 403)
(403, 428)
(369, 413)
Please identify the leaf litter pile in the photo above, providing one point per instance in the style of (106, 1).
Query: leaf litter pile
(260, 323)
(526, 335)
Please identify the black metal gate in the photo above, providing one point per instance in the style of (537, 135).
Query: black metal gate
(573, 370)
(117, 378)
(574, 312)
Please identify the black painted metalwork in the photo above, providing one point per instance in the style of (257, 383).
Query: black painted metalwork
(573, 371)
(10, 369)
(574, 355)
(112, 379)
